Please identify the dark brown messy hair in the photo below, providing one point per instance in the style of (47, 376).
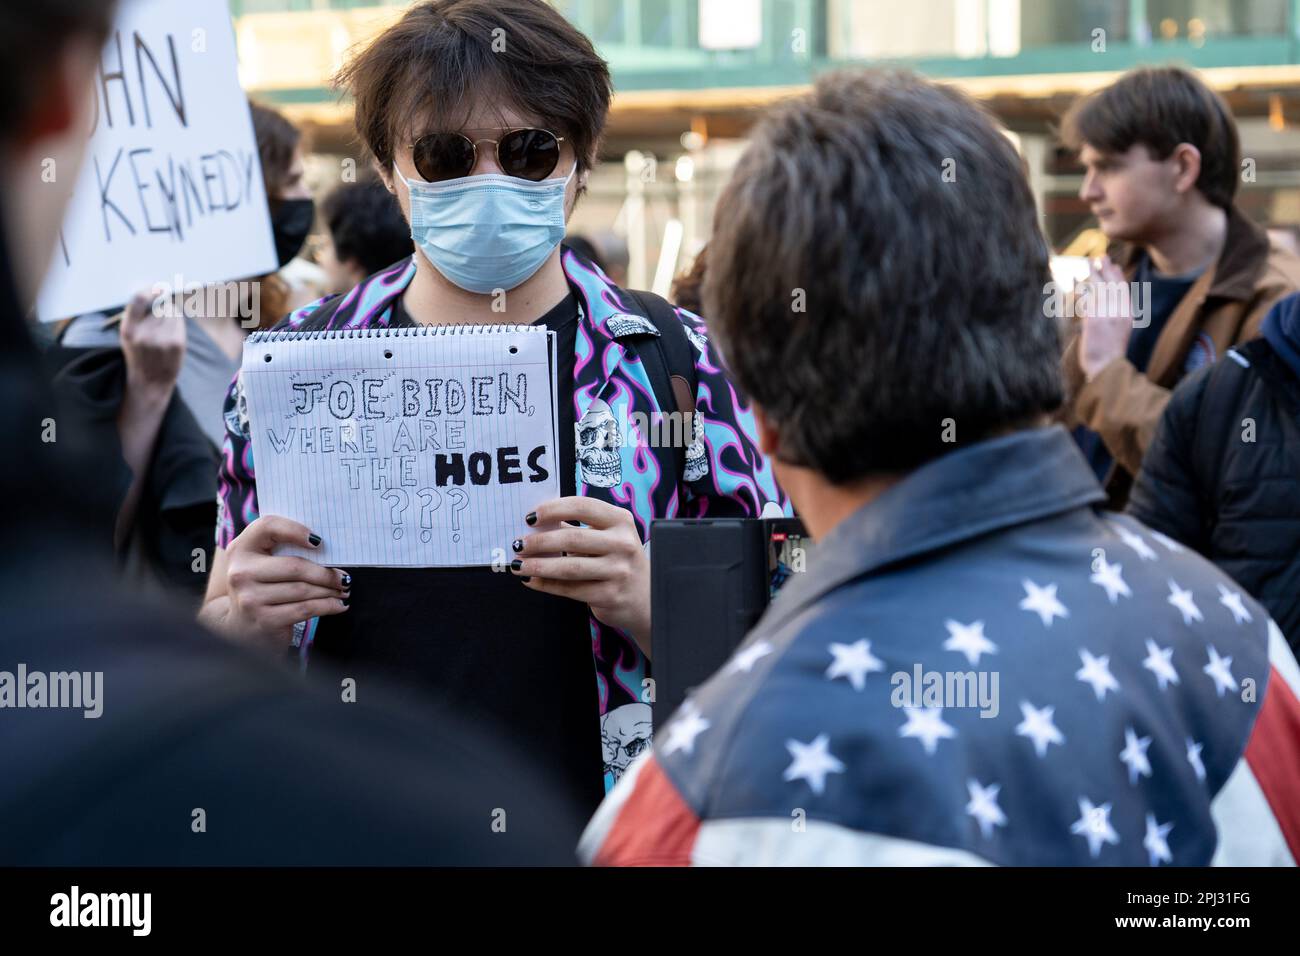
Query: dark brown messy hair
(1161, 108)
(277, 138)
(876, 274)
(442, 55)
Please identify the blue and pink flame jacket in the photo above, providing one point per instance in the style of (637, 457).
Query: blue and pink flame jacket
(729, 478)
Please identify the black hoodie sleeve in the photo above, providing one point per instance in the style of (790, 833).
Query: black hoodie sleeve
(1168, 495)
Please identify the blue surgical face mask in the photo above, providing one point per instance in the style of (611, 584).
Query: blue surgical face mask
(490, 231)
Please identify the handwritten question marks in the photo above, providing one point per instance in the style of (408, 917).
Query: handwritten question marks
(430, 500)
(399, 503)
(460, 501)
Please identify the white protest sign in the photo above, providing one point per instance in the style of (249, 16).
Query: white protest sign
(171, 184)
(404, 447)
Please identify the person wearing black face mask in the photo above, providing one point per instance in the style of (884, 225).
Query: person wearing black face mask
(290, 224)
(150, 389)
(293, 213)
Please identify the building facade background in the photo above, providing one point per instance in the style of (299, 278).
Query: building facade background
(692, 76)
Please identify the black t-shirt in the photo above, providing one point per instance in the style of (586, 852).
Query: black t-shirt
(1166, 292)
(480, 640)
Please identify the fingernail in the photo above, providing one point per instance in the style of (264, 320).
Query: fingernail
(517, 545)
(524, 578)
(344, 601)
(516, 564)
(347, 580)
(531, 518)
(314, 539)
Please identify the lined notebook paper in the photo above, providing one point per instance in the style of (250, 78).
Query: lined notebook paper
(412, 447)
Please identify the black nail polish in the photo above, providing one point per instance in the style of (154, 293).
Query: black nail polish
(531, 517)
(517, 545)
(345, 602)
(516, 564)
(347, 580)
(314, 539)
(523, 578)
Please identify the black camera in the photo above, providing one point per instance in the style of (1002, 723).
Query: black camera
(710, 581)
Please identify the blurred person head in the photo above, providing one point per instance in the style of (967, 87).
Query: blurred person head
(859, 345)
(688, 288)
(365, 232)
(50, 51)
(279, 147)
(482, 69)
(1156, 145)
(150, 655)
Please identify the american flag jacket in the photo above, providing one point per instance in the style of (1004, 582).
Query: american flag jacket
(724, 473)
(983, 667)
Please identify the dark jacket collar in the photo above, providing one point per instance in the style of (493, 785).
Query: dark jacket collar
(1244, 257)
(985, 487)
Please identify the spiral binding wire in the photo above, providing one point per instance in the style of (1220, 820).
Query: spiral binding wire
(285, 335)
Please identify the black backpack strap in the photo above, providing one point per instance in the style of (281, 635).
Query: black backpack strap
(670, 364)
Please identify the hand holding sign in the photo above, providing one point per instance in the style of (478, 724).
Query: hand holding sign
(603, 565)
(269, 594)
(153, 345)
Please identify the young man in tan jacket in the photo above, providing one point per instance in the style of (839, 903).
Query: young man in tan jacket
(1192, 274)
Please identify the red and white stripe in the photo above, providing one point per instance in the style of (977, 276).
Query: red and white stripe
(646, 822)
(1258, 810)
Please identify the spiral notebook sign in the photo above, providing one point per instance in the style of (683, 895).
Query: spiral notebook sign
(404, 447)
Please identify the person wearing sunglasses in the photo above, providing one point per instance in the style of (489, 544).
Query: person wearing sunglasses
(484, 118)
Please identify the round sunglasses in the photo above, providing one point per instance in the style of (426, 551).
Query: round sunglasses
(524, 153)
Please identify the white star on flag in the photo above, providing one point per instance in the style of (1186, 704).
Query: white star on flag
(1220, 672)
(926, 724)
(1182, 600)
(1232, 601)
(1096, 671)
(1043, 602)
(1155, 843)
(746, 659)
(812, 762)
(1108, 577)
(1135, 542)
(683, 731)
(1159, 662)
(1167, 541)
(1094, 825)
(1194, 758)
(983, 806)
(1134, 755)
(854, 661)
(968, 639)
(1038, 727)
